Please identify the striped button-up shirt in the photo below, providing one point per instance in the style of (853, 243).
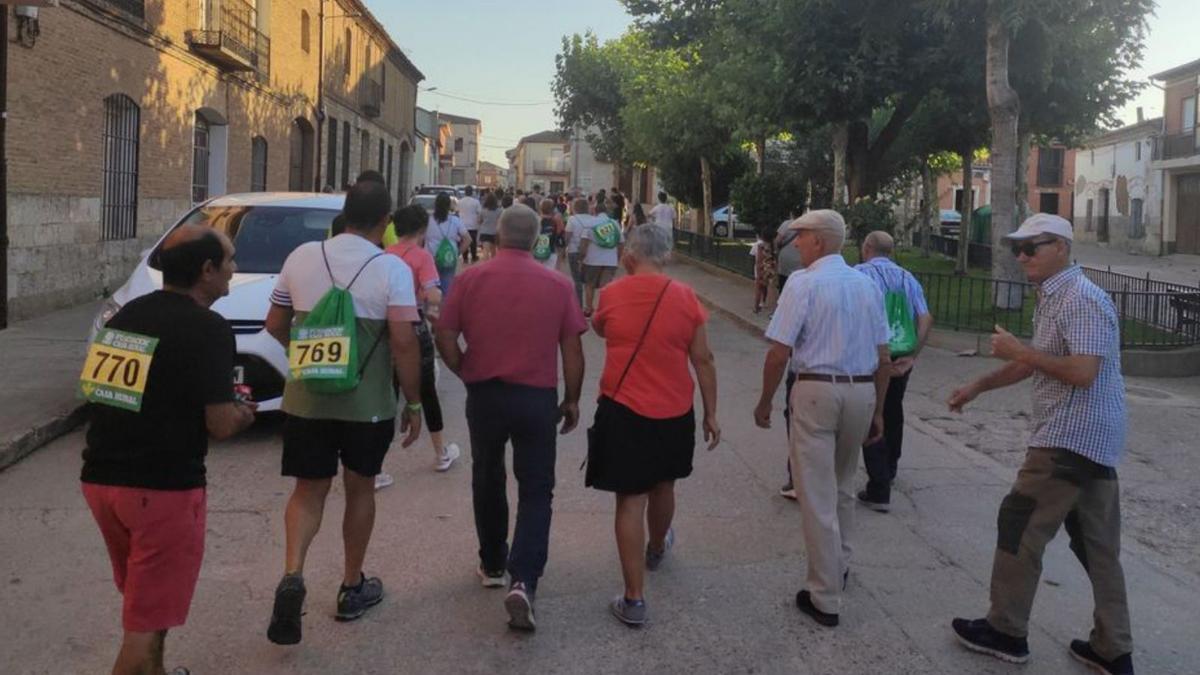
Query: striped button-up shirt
(1075, 316)
(892, 277)
(833, 319)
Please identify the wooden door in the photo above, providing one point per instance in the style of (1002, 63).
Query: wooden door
(1187, 214)
(1102, 226)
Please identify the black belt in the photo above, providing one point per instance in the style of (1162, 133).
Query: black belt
(834, 379)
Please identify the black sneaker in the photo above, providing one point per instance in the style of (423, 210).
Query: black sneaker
(979, 636)
(354, 601)
(1083, 652)
(285, 617)
(882, 507)
(804, 604)
(519, 604)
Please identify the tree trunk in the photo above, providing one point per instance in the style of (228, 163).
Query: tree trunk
(760, 157)
(1024, 143)
(968, 205)
(706, 182)
(1004, 109)
(839, 164)
(858, 163)
(929, 207)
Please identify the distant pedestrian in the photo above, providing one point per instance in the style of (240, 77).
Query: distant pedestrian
(663, 214)
(516, 318)
(469, 210)
(831, 326)
(600, 248)
(763, 252)
(787, 261)
(446, 239)
(339, 397)
(545, 249)
(488, 220)
(143, 471)
(1069, 477)
(910, 323)
(644, 433)
(411, 224)
(579, 221)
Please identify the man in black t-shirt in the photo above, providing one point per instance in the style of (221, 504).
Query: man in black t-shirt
(159, 378)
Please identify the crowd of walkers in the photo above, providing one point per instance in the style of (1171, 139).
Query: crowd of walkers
(503, 290)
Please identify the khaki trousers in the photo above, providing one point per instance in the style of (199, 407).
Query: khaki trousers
(1057, 487)
(829, 423)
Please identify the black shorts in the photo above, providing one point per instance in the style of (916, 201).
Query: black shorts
(487, 238)
(630, 454)
(311, 448)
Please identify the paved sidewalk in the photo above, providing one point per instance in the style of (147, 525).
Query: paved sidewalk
(40, 360)
(1178, 268)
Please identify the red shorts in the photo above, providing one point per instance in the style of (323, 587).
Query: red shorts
(155, 539)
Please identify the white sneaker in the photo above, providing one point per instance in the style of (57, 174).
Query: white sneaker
(449, 453)
(383, 480)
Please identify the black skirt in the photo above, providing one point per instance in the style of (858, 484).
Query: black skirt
(630, 454)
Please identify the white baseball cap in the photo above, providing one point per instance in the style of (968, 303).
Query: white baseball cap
(1043, 223)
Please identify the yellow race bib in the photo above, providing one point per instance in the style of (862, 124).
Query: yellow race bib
(116, 369)
(319, 353)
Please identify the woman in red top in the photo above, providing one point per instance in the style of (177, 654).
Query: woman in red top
(410, 223)
(645, 430)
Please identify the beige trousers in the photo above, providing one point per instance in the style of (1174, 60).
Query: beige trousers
(828, 426)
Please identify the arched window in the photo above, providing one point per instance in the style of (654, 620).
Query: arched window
(122, 133)
(305, 25)
(349, 53)
(258, 164)
(201, 151)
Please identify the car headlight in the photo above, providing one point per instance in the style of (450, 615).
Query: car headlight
(107, 311)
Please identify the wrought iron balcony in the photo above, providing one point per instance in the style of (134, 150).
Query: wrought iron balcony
(231, 38)
(370, 98)
(1176, 146)
(551, 166)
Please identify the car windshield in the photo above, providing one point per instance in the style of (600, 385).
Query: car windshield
(264, 236)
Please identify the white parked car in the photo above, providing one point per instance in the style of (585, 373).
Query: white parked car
(427, 201)
(265, 227)
(720, 220)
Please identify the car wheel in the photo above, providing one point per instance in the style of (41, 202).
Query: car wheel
(721, 230)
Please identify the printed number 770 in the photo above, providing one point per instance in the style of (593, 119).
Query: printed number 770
(104, 357)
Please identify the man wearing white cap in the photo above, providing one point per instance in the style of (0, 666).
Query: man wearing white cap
(1069, 476)
(831, 325)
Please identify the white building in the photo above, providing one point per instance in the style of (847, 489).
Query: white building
(425, 155)
(463, 147)
(1118, 195)
(541, 161)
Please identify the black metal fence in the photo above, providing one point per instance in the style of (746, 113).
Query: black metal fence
(1153, 315)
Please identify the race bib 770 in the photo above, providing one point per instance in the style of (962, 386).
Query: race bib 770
(116, 369)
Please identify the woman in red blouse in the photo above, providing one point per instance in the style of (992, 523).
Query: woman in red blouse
(645, 429)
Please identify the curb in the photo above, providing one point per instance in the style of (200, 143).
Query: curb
(739, 320)
(41, 434)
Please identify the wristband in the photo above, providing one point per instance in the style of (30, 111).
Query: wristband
(413, 407)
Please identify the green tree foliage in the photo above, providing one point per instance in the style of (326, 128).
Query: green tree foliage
(768, 199)
(680, 175)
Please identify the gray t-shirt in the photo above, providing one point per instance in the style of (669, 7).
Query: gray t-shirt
(489, 219)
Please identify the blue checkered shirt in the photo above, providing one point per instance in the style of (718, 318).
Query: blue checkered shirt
(1075, 316)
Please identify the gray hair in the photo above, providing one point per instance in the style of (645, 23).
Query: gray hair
(880, 242)
(649, 243)
(518, 227)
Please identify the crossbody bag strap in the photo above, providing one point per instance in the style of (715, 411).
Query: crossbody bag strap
(642, 339)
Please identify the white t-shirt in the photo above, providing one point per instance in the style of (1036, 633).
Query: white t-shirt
(468, 211)
(453, 229)
(576, 224)
(598, 256)
(385, 282)
(663, 215)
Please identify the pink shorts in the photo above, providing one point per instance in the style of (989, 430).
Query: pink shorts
(155, 540)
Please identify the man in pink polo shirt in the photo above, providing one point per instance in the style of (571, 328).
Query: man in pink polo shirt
(514, 314)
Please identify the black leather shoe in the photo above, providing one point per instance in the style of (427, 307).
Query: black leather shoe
(979, 636)
(804, 604)
(1083, 652)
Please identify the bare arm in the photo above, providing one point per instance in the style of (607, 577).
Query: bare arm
(279, 324)
(706, 374)
(225, 420)
(583, 249)
(1004, 376)
(447, 346)
(924, 326)
(1077, 370)
(883, 375)
(406, 361)
(573, 365)
(773, 369)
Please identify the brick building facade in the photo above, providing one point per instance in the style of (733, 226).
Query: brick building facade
(123, 114)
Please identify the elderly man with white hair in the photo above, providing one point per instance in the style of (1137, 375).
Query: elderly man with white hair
(515, 316)
(1069, 477)
(830, 324)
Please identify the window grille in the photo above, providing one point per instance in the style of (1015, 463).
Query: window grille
(118, 207)
(201, 152)
(258, 164)
(331, 158)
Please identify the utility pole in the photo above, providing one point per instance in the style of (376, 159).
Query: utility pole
(320, 90)
(3, 167)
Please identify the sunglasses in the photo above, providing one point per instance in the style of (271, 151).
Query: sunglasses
(1029, 248)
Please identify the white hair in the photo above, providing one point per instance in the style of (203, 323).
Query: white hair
(649, 243)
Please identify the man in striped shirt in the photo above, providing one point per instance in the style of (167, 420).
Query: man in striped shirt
(881, 458)
(1069, 477)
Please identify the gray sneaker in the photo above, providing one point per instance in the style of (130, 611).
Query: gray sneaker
(628, 612)
(353, 602)
(655, 558)
(519, 604)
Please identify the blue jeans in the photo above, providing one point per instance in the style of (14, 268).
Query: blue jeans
(498, 412)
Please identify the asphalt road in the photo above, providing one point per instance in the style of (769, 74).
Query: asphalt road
(721, 603)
